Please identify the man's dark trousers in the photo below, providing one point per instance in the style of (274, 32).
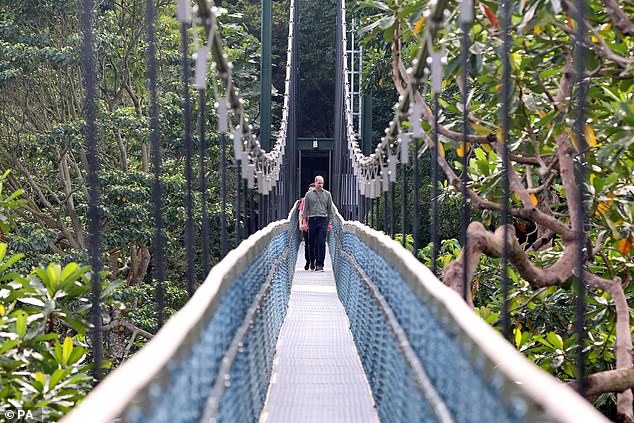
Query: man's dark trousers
(317, 231)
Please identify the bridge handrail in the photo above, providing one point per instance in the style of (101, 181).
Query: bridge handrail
(541, 391)
(254, 159)
(129, 385)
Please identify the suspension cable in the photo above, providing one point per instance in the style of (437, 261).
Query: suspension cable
(202, 177)
(94, 184)
(416, 199)
(223, 194)
(404, 203)
(466, 18)
(579, 220)
(386, 229)
(505, 113)
(434, 180)
(393, 213)
(184, 16)
(256, 163)
(155, 143)
(238, 206)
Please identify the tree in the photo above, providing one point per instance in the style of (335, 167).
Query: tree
(317, 30)
(41, 138)
(38, 373)
(543, 149)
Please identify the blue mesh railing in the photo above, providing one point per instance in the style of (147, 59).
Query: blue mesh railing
(212, 360)
(428, 357)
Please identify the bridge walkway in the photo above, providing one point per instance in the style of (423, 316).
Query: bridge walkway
(317, 374)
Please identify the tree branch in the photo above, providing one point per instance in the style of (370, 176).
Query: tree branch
(489, 243)
(603, 50)
(617, 380)
(618, 17)
(623, 340)
(129, 326)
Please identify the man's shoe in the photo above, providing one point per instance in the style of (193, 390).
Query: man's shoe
(312, 265)
(306, 265)
(320, 268)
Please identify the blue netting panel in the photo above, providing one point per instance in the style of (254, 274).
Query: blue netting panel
(469, 393)
(191, 379)
(249, 377)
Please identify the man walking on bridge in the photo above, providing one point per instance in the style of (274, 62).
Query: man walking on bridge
(318, 209)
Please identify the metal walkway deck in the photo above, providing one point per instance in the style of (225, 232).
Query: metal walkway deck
(317, 374)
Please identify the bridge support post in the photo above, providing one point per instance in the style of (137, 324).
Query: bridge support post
(265, 77)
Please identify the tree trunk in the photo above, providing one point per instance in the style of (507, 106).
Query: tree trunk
(145, 157)
(139, 262)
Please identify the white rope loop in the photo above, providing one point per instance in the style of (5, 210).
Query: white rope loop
(247, 149)
(408, 107)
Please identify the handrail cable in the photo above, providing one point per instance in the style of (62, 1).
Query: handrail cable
(213, 402)
(257, 165)
(523, 385)
(384, 159)
(423, 382)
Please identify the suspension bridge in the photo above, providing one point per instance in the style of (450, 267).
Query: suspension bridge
(375, 337)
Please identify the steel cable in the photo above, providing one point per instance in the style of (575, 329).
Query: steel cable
(580, 86)
(158, 243)
(434, 193)
(223, 194)
(415, 225)
(505, 113)
(94, 184)
(187, 133)
(466, 16)
(202, 178)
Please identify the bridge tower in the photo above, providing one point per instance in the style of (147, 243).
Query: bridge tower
(285, 193)
(265, 76)
(345, 192)
(328, 156)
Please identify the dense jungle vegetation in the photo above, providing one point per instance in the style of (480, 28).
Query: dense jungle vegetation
(543, 104)
(45, 352)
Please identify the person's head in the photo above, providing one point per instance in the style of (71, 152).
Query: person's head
(319, 182)
(311, 187)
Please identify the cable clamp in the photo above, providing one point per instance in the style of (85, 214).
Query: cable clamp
(184, 12)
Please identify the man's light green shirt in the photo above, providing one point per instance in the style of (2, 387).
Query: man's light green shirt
(318, 204)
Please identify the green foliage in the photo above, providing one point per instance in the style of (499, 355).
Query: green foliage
(142, 298)
(391, 19)
(409, 240)
(447, 252)
(317, 30)
(50, 156)
(44, 351)
(542, 320)
(245, 16)
(27, 43)
(8, 204)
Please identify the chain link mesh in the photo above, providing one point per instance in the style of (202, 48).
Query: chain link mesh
(185, 395)
(466, 386)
